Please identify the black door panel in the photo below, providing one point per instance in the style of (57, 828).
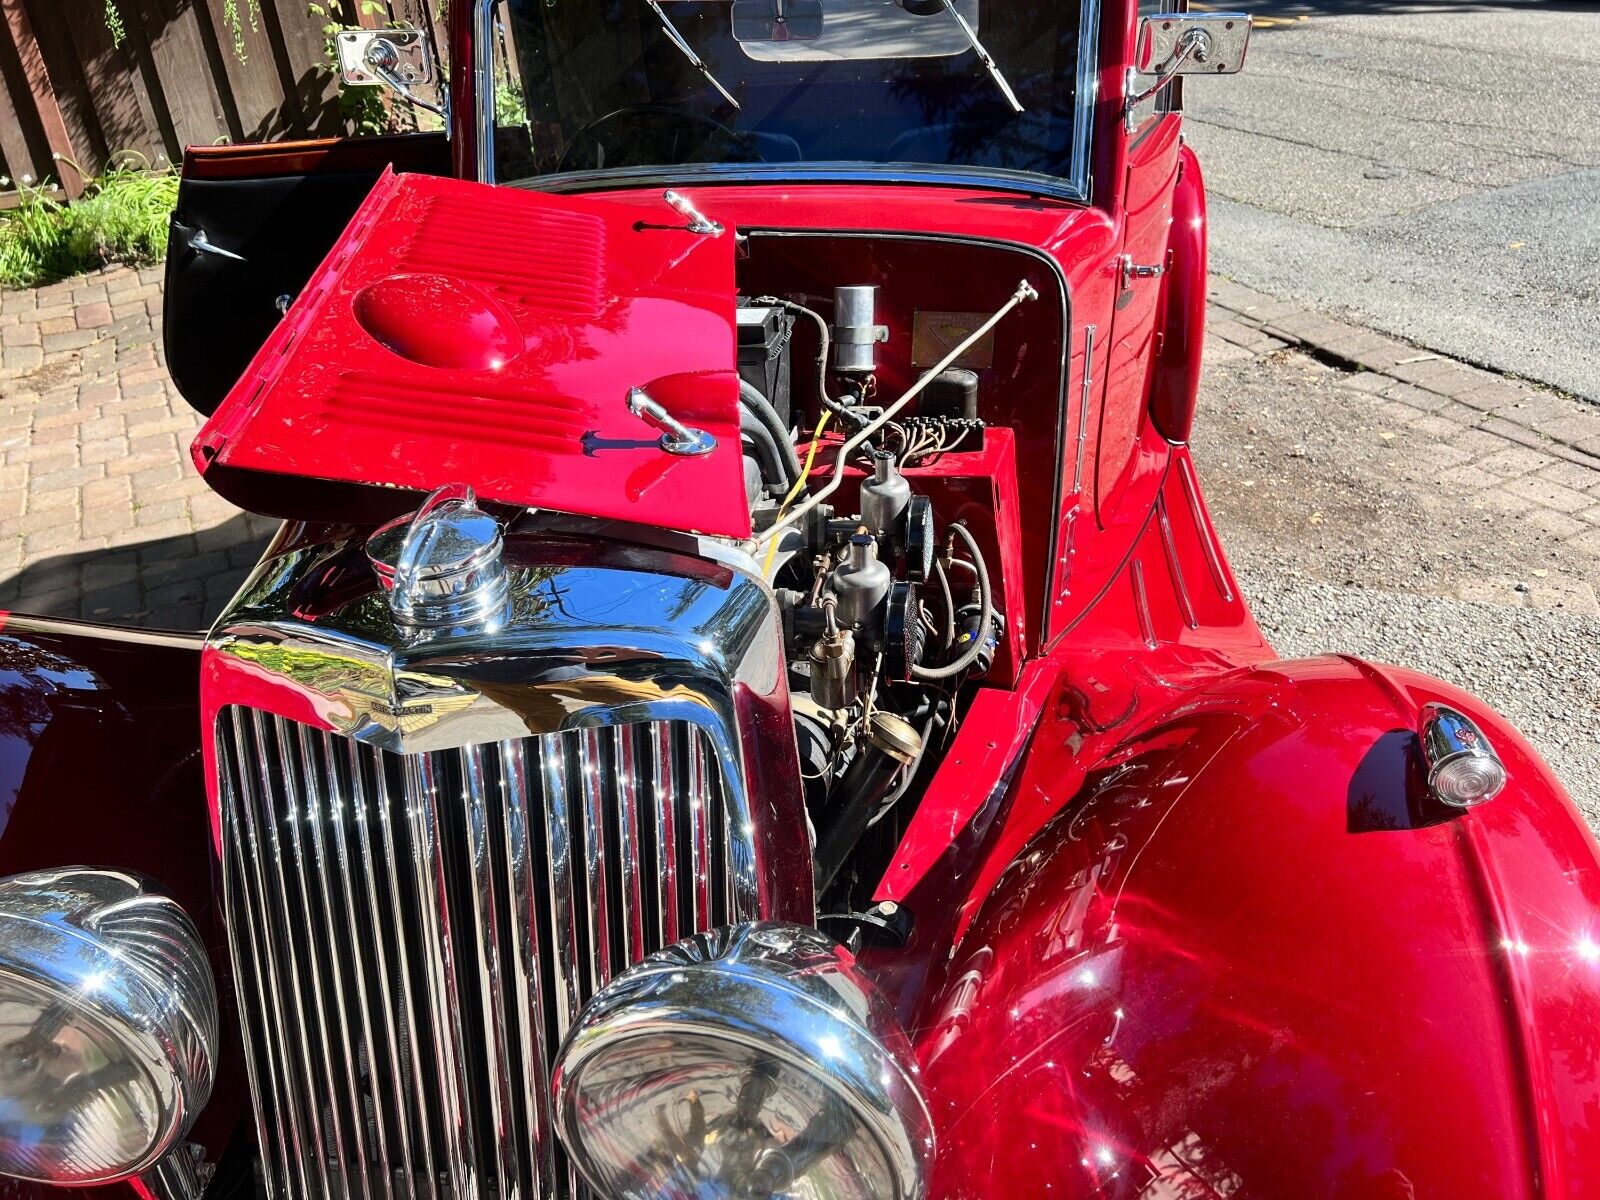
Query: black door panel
(252, 227)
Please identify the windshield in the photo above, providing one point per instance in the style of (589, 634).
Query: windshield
(840, 87)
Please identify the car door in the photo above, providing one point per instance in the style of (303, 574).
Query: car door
(1152, 172)
(251, 224)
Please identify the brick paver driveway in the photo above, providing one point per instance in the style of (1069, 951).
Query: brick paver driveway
(103, 517)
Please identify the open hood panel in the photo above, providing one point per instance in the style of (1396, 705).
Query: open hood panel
(458, 332)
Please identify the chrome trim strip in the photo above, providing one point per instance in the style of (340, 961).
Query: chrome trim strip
(302, 813)
(1141, 603)
(591, 760)
(237, 897)
(362, 811)
(19, 622)
(1170, 545)
(483, 87)
(566, 967)
(689, 176)
(1069, 548)
(406, 988)
(307, 1098)
(699, 831)
(1086, 98)
(486, 922)
(523, 913)
(340, 803)
(563, 900)
(336, 945)
(625, 784)
(1085, 398)
(664, 785)
(444, 988)
(1208, 541)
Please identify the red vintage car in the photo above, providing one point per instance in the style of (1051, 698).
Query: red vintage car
(747, 699)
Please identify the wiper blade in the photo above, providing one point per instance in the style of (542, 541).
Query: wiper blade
(984, 56)
(695, 60)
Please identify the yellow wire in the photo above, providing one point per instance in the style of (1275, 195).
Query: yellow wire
(805, 472)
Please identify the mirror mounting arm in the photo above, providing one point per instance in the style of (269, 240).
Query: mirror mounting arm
(381, 59)
(1195, 44)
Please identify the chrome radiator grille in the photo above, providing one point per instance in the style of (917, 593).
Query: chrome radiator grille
(413, 934)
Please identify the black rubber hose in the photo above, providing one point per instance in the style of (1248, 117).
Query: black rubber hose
(985, 599)
(860, 791)
(750, 396)
(774, 469)
(843, 411)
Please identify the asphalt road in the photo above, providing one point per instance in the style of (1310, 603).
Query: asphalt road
(1429, 169)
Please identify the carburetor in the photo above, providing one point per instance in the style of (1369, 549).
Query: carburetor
(865, 602)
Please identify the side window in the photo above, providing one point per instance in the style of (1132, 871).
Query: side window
(1170, 98)
(514, 139)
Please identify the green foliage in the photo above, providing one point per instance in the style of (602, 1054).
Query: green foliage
(32, 240)
(231, 17)
(235, 23)
(510, 105)
(114, 23)
(122, 217)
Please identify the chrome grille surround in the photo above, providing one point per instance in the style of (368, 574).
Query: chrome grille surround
(436, 847)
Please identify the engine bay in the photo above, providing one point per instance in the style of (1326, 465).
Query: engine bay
(881, 459)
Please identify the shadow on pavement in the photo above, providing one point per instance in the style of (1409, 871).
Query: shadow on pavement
(169, 583)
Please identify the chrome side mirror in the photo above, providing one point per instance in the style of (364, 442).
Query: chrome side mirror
(1173, 44)
(400, 59)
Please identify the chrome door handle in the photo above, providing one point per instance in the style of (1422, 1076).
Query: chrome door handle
(199, 242)
(1131, 271)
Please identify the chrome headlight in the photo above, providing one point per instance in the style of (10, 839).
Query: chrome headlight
(756, 1060)
(108, 1026)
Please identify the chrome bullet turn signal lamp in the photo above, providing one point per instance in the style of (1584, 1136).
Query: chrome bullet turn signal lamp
(755, 1060)
(108, 1026)
(1463, 768)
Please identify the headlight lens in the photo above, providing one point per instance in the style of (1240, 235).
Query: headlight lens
(753, 1061)
(108, 1026)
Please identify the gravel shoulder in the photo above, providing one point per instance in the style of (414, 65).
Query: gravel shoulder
(1350, 535)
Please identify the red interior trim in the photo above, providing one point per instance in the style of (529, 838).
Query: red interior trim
(416, 153)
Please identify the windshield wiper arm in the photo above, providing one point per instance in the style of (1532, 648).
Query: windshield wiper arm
(984, 56)
(695, 60)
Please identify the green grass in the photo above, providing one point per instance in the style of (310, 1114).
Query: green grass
(122, 217)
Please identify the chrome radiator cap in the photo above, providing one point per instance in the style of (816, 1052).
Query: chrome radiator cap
(444, 564)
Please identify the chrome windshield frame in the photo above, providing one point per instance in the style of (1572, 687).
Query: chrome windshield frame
(1078, 187)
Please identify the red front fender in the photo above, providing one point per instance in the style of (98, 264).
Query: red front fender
(1249, 959)
(100, 766)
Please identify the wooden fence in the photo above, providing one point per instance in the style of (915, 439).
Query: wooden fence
(82, 81)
